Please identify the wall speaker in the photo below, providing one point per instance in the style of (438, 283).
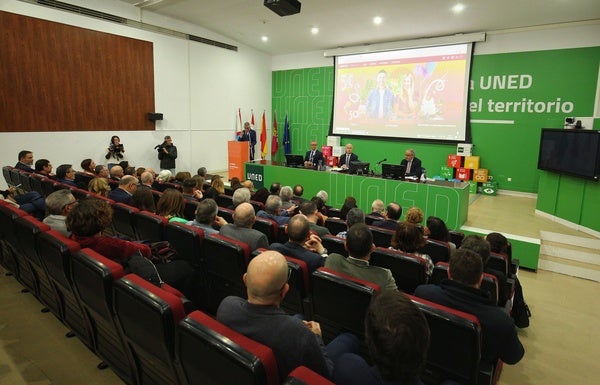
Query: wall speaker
(154, 116)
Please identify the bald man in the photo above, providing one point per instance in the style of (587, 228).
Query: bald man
(241, 229)
(293, 341)
(116, 173)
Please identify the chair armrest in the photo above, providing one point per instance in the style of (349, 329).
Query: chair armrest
(514, 266)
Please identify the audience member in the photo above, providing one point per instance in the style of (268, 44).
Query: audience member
(273, 210)
(359, 245)
(409, 239)
(309, 209)
(202, 172)
(397, 337)
(91, 217)
(242, 230)
(206, 217)
(127, 186)
(181, 176)
(249, 185)
(58, 205)
(261, 195)
(349, 203)
(147, 179)
(392, 216)
(143, 199)
(164, 176)
(498, 244)
(99, 186)
(218, 185)
(275, 188)
(88, 166)
(240, 195)
(191, 191)
(170, 205)
(481, 247)
(25, 161)
(31, 202)
(101, 171)
(65, 174)
(461, 292)
(302, 244)
(129, 170)
(138, 173)
(235, 184)
(298, 191)
(321, 210)
(354, 216)
(116, 173)
(322, 194)
(436, 229)
(43, 167)
(415, 216)
(286, 197)
(294, 342)
(377, 208)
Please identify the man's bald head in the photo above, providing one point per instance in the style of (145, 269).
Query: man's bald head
(116, 171)
(244, 215)
(298, 228)
(266, 278)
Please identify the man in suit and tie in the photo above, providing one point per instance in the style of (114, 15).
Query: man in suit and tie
(312, 157)
(412, 164)
(348, 157)
(248, 135)
(127, 186)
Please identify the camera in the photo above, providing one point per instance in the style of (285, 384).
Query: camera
(160, 146)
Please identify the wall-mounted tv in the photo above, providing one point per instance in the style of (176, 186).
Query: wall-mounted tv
(572, 152)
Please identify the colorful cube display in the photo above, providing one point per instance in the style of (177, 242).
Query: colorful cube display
(446, 172)
(455, 161)
(480, 175)
(472, 162)
(489, 188)
(473, 187)
(463, 173)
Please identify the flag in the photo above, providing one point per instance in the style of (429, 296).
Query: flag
(287, 140)
(252, 120)
(263, 137)
(238, 125)
(274, 138)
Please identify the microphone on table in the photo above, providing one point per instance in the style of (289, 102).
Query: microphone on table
(381, 161)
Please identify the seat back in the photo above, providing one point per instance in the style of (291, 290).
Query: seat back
(409, 271)
(189, 211)
(27, 229)
(224, 200)
(268, 227)
(147, 317)
(149, 227)
(24, 180)
(257, 206)
(224, 262)
(381, 237)
(156, 195)
(498, 262)
(282, 235)
(456, 237)
(49, 186)
(93, 279)
(83, 180)
(15, 176)
(79, 193)
(304, 376)
(334, 244)
(455, 344)
(335, 225)
(56, 252)
(340, 302)
(8, 214)
(187, 240)
(123, 220)
(213, 354)
(369, 219)
(226, 214)
(334, 212)
(294, 301)
(36, 183)
(438, 251)
(6, 174)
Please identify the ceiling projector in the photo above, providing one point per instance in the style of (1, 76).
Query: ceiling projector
(283, 7)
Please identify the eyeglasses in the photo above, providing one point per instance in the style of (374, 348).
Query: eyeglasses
(288, 277)
(70, 204)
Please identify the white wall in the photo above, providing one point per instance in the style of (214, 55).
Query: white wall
(198, 88)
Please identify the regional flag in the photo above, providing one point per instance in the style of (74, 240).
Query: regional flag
(274, 138)
(263, 136)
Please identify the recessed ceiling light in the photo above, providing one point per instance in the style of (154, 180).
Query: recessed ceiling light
(314, 30)
(458, 8)
(377, 20)
(264, 38)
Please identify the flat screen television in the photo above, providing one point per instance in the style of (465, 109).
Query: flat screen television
(393, 171)
(573, 152)
(294, 160)
(358, 167)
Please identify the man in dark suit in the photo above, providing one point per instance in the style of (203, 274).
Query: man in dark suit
(348, 157)
(127, 186)
(25, 161)
(393, 213)
(461, 292)
(313, 157)
(412, 164)
(248, 135)
(241, 228)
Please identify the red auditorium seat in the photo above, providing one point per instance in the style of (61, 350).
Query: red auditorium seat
(304, 376)
(409, 271)
(149, 226)
(212, 353)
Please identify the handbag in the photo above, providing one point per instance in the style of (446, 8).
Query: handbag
(162, 252)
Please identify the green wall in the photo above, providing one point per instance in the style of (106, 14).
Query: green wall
(508, 148)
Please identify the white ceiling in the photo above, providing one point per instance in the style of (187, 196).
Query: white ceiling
(344, 23)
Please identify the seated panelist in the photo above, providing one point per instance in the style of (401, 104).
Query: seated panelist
(313, 156)
(413, 164)
(348, 157)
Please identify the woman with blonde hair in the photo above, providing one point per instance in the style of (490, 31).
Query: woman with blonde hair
(217, 184)
(99, 186)
(171, 205)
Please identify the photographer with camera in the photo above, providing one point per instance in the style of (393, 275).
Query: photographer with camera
(167, 153)
(115, 151)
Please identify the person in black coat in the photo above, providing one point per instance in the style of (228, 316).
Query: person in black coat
(412, 164)
(313, 157)
(348, 157)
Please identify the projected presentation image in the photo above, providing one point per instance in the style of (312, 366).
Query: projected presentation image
(417, 93)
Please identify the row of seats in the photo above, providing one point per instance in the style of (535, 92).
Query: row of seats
(139, 330)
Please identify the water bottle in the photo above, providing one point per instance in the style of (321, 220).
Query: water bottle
(320, 168)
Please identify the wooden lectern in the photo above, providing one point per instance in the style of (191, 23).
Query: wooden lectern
(239, 154)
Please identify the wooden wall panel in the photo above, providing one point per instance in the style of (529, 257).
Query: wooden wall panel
(55, 77)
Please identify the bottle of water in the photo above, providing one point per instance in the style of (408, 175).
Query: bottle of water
(320, 168)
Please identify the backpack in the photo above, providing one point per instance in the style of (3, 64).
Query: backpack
(520, 311)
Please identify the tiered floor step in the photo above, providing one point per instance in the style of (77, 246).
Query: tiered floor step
(571, 255)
